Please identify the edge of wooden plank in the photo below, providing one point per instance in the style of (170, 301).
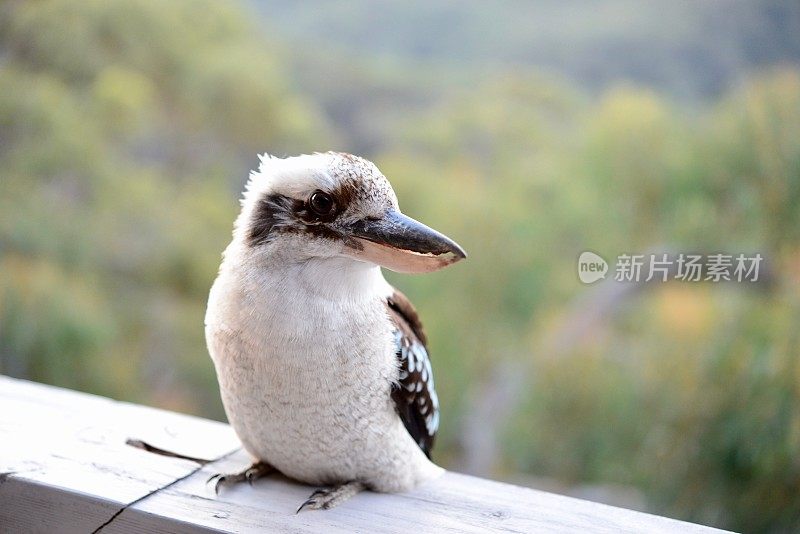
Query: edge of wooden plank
(164, 493)
(455, 502)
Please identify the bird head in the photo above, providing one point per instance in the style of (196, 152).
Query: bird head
(336, 205)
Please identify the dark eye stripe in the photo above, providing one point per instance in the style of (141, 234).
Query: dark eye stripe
(271, 211)
(275, 212)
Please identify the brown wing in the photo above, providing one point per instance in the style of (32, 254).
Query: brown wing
(414, 395)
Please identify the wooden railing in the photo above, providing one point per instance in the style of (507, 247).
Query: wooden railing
(72, 462)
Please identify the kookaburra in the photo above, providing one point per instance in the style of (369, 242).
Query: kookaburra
(322, 364)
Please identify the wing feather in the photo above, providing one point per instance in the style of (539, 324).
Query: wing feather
(414, 394)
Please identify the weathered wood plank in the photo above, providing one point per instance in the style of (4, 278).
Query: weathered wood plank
(72, 472)
(454, 503)
(62, 451)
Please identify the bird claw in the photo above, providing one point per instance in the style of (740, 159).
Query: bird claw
(327, 498)
(220, 480)
(307, 503)
(312, 500)
(251, 474)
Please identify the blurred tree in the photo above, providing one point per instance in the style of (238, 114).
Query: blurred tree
(125, 128)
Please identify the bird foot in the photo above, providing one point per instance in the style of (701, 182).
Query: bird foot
(251, 474)
(325, 499)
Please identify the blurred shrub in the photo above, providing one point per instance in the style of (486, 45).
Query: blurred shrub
(688, 392)
(126, 130)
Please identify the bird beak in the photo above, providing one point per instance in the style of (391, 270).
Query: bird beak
(402, 244)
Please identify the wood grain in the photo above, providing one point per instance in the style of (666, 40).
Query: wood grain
(69, 470)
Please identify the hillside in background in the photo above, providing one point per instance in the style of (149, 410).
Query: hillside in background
(687, 48)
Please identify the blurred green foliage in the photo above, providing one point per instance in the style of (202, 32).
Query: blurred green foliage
(126, 133)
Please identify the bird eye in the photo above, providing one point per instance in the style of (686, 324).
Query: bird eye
(321, 203)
